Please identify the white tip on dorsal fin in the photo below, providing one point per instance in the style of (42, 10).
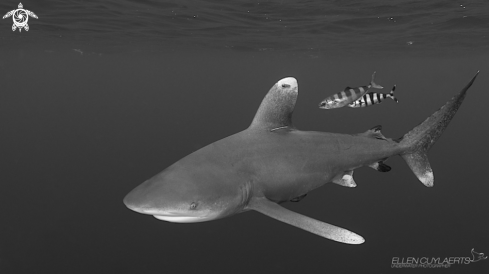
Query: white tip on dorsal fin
(277, 106)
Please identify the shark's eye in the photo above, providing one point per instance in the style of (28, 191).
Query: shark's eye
(193, 205)
(285, 86)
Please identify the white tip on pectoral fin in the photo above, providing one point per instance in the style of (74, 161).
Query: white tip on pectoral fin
(319, 228)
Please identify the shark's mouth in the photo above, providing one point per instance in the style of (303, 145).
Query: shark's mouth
(175, 218)
(175, 215)
(190, 217)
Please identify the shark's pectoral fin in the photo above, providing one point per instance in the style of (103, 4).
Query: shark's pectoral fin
(345, 179)
(325, 230)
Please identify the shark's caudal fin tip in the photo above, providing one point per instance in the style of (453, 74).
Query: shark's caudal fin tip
(419, 164)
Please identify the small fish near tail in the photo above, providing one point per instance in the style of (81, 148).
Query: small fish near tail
(419, 140)
(347, 96)
(373, 98)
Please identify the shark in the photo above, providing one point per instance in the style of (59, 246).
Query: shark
(272, 162)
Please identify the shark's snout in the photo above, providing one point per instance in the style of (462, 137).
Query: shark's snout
(138, 201)
(133, 201)
(141, 197)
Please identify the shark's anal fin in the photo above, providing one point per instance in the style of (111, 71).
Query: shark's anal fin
(380, 166)
(345, 179)
(325, 230)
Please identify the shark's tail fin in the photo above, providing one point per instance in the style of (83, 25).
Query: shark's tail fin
(419, 140)
(373, 84)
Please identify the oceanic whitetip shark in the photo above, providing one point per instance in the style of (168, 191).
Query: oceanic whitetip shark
(272, 162)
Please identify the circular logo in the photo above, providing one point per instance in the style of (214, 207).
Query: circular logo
(20, 17)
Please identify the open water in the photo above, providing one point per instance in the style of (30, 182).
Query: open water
(99, 96)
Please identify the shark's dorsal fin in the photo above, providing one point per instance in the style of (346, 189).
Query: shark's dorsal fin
(276, 108)
(271, 209)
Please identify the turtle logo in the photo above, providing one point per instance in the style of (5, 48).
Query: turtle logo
(20, 17)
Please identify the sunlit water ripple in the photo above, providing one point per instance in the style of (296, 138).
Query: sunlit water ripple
(315, 26)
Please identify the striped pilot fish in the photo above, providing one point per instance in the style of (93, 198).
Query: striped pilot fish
(373, 98)
(347, 96)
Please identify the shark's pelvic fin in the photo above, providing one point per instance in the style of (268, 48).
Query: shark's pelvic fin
(325, 230)
(276, 108)
(419, 140)
(345, 179)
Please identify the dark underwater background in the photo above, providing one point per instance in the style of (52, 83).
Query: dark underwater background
(99, 96)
